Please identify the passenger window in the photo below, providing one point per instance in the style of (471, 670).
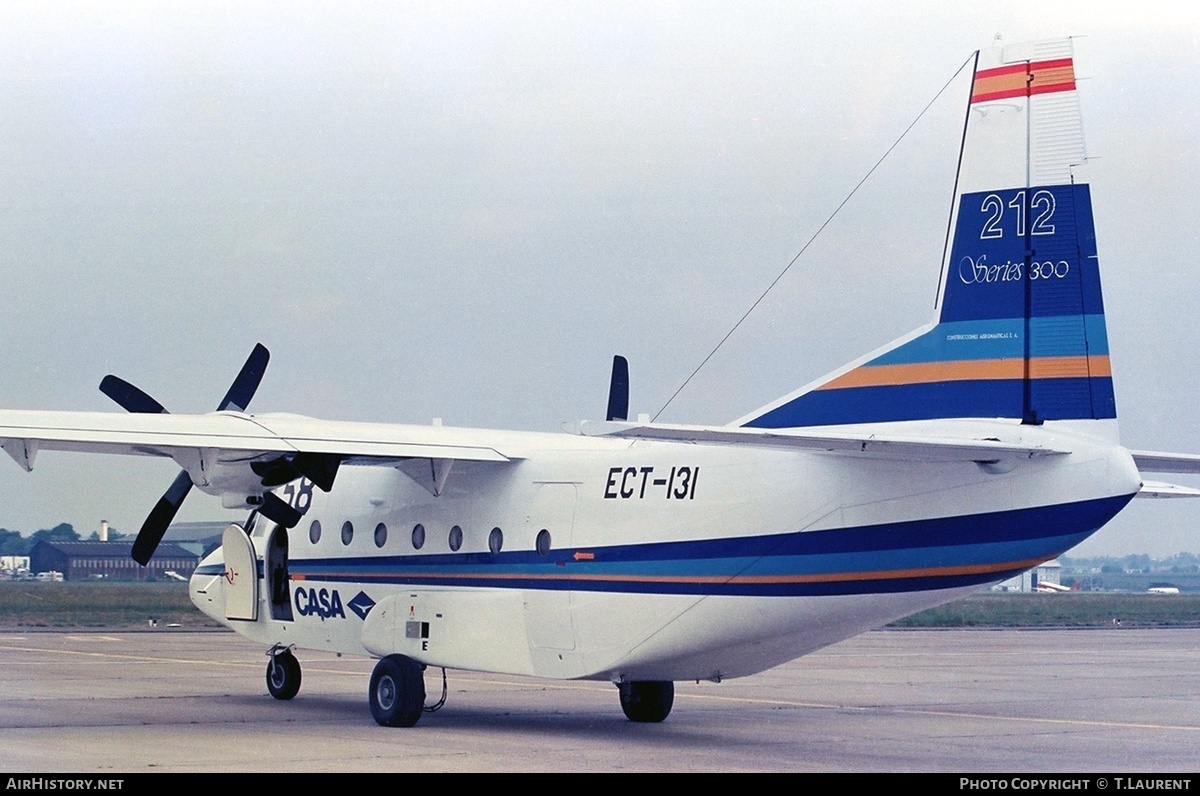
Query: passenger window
(347, 532)
(495, 540)
(418, 536)
(314, 532)
(456, 538)
(380, 535)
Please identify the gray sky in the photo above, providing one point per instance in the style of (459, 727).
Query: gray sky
(462, 210)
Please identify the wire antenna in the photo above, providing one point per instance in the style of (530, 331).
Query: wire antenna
(815, 235)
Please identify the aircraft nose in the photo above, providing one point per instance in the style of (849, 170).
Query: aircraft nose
(205, 586)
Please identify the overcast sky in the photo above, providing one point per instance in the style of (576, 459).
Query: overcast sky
(463, 210)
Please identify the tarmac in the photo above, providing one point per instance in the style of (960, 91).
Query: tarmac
(1110, 700)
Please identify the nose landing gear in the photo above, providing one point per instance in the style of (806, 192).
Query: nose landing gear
(283, 673)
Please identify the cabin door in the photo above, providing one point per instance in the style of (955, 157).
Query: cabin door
(241, 575)
(278, 584)
(550, 526)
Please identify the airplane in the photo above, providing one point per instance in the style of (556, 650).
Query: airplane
(644, 553)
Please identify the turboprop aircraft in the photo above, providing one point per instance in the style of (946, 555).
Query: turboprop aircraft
(641, 553)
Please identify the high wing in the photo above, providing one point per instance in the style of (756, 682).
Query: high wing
(890, 445)
(886, 444)
(236, 455)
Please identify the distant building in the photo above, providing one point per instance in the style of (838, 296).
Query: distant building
(1048, 572)
(109, 560)
(11, 565)
(197, 537)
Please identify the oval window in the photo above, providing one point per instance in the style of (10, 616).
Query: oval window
(543, 542)
(347, 532)
(495, 540)
(418, 536)
(314, 531)
(456, 538)
(380, 535)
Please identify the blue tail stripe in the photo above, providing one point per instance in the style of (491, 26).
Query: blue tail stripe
(990, 398)
(999, 338)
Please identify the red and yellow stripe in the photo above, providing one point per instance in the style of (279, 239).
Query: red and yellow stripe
(1024, 79)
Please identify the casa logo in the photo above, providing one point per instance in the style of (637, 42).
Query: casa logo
(327, 603)
(361, 605)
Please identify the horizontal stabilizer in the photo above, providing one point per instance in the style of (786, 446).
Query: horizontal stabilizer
(1155, 462)
(890, 446)
(1160, 489)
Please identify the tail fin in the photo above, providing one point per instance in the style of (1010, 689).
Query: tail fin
(1020, 331)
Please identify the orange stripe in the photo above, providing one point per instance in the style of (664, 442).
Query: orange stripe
(971, 370)
(918, 373)
(1069, 367)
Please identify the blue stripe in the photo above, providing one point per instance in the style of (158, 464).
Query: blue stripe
(992, 544)
(992, 338)
(982, 398)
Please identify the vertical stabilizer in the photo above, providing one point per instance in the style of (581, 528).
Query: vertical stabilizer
(1020, 329)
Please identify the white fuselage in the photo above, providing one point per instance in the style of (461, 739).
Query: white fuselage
(664, 560)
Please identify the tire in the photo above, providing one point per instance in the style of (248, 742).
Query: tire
(397, 691)
(647, 701)
(283, 675)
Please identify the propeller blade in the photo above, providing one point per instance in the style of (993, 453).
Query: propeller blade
(618, 390)
(274, 509)
(247, 381)
(320, 468)
(160, 517)
(130, 398)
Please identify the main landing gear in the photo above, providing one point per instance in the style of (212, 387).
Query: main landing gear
(283, 673)
(647, 700)
(397, 691)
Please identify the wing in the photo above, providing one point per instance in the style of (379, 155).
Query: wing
(237, 455)
(887, 445)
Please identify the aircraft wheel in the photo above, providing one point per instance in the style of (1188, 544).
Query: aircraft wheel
(647, 700)
(397, 692)
(283, 675)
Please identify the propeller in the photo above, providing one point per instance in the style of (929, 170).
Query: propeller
(135, 400)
